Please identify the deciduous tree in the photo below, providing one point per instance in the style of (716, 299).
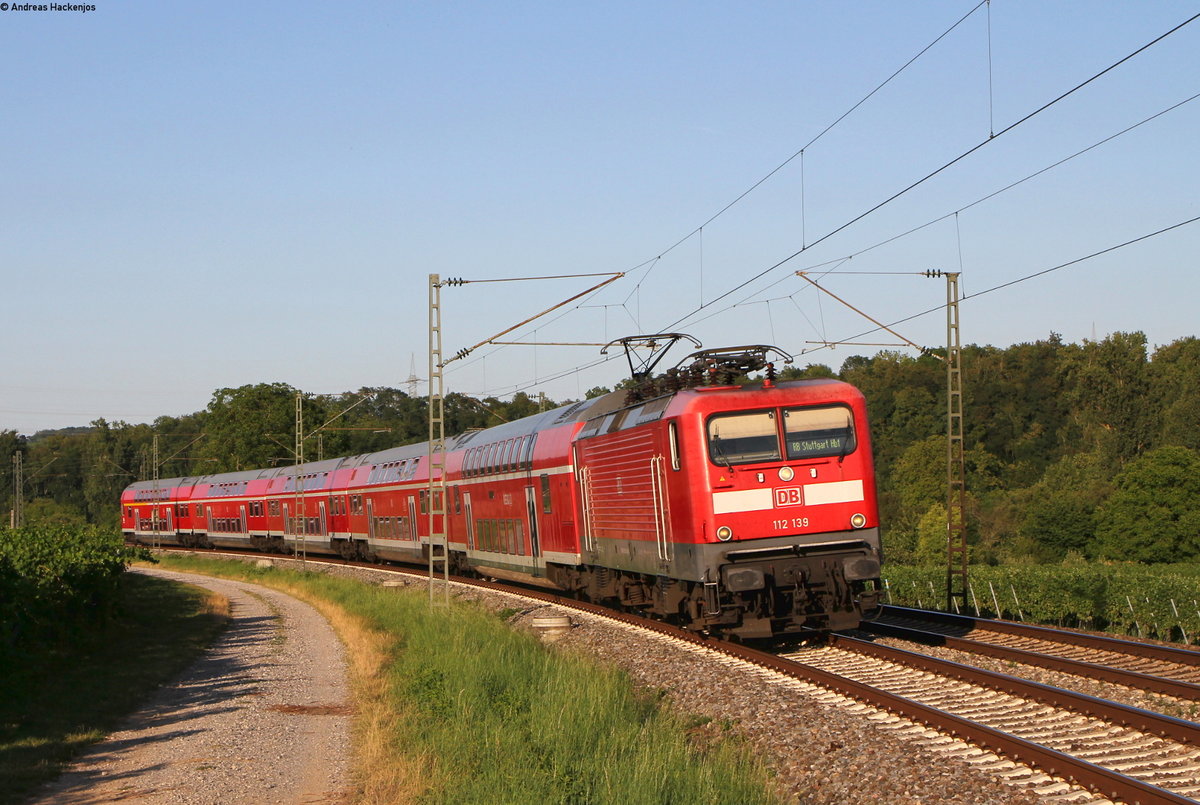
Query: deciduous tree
(1152, 516)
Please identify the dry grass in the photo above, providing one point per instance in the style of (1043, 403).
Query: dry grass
(216, 605)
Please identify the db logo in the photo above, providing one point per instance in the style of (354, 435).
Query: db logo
(788, 496)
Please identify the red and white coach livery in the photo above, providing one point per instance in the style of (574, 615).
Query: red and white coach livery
(743, 509)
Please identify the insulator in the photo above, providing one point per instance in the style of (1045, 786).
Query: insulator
(454, 281)
(929, 272)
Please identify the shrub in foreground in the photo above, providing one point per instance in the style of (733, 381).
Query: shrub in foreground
(55, 579)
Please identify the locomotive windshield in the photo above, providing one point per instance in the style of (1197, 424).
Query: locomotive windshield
(743, 438)
(818, 432)
(754, 437)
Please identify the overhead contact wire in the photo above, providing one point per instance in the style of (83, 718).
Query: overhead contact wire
(941, 169)
(1026, 278)
(807, 145)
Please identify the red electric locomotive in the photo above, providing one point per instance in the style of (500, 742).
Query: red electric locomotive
(741, 509)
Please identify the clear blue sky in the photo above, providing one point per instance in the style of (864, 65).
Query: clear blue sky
(202, 195)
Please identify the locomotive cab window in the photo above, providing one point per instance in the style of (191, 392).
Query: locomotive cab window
(746, 438)
(818, 432)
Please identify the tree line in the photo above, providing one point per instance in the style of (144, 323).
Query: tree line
(1073, 451)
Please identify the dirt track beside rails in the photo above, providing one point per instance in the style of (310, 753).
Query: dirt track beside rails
(263, 717)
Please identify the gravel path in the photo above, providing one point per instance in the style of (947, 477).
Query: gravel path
(263, 717)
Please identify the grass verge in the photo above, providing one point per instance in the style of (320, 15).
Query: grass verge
(59, 698)
(453, 706)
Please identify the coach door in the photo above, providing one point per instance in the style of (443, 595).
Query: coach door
(370, 519)
(470, 521)
(412, 518)
(531, 510)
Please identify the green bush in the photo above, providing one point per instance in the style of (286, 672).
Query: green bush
(55, 579)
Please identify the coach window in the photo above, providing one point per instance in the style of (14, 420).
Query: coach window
(818, 432)
(527, 458)
(510, 455)
(546, 498)
(519, 454)
(743, 438)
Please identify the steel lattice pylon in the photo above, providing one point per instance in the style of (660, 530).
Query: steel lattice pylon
(956, 473)
(299, 518)
(435, 496)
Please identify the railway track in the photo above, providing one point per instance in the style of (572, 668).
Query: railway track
(1115, 751)
(1119, 751)
(1155, 669)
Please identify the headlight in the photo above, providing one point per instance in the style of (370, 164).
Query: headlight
(724, 533)
(858, 520)
(786, 474)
